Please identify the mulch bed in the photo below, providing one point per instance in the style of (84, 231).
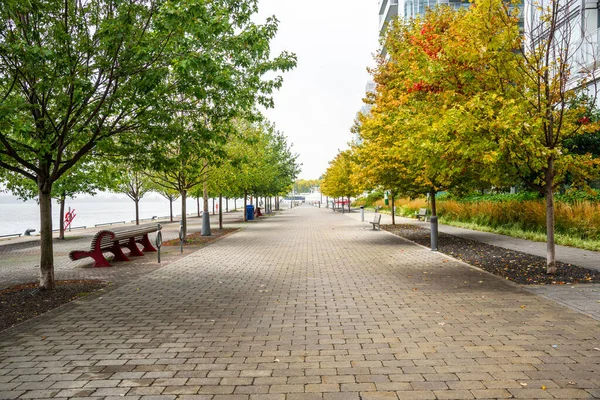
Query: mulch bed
(513, 265)
(22, 302)
(197, 239)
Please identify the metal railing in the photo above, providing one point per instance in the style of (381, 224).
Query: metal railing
(11, 235)
(70, 228)
(111, 223)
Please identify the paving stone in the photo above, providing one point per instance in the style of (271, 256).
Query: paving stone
(304, 396)
(570, 393)
(105, 392)
(379, 396)
(267, 397)
(416, 395)
(453, 394)
(491, 394)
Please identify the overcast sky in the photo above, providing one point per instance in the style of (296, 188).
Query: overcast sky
(334, 42)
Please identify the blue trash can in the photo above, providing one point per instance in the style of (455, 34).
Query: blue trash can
(249, 212)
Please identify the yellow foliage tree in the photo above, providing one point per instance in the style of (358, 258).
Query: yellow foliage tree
(337, 180)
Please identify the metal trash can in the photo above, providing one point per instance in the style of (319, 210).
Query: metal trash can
(249, 212)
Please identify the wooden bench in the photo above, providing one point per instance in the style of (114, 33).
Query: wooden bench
(422, 213)
(376, 221)
(113, 241)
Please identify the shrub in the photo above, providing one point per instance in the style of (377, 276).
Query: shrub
(404, 207)
(576, 196)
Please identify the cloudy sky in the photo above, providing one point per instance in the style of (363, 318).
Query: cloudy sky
(334, 42)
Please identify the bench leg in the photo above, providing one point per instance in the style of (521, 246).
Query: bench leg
(134, 250)
(144, 241)
(116, 250)
(98, 257)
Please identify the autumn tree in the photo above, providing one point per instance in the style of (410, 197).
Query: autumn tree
(541, 102)
(555, 91)
(464, 102)
(337, 180)
(411, 141)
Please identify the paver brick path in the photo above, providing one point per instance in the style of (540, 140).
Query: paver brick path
(307, 305)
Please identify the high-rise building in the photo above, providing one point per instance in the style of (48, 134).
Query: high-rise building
(365, 109)
(576, 37)
(390, 9)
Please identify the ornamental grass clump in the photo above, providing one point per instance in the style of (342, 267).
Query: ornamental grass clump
(404, 207)
(581, 219)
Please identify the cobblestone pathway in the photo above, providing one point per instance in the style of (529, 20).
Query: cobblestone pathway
(307, 305)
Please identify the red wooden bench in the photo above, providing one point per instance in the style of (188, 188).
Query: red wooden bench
(113, 241)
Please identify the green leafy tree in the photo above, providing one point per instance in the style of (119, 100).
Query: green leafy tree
(132, 182)
(171, 196)
(73, 74)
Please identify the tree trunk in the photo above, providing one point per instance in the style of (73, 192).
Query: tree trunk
(226, 204)
(198, 205)
(183, 194)
(213, 206)
(235, 203)
(245, 205)
(171, 208)
(550, 245)
(46, 249)
(205, 197)
(433, 209)
(393, 208)
(137, 211)
(220, 211)
(61, 217)
(349, 209)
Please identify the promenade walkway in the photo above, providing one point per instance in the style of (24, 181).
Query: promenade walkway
(583, 298)
(308, 304)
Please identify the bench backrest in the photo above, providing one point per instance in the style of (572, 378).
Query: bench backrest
(376, 218)
(133, 232)
(121, 234)
(422, 211)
